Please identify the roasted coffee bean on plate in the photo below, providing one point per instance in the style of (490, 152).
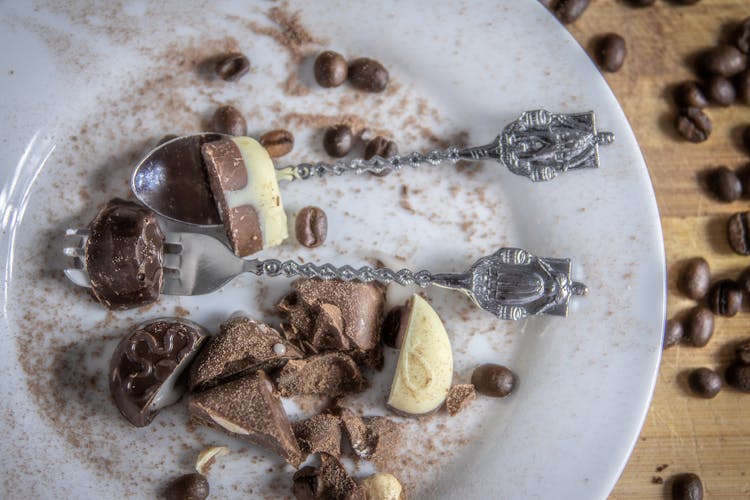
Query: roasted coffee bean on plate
(693, 124)
(330, 69)
(277, 142)
(368, 75)
(744, 281)
(742, 37)
(738, 232)
(188, 487)
(742, 85)
(720, 90)
(743, 352)
(568, 11)
(687, 487)
(738, 376)
(611, 52)
(725, 184)
(725, 60)
(493, 380)
(380, 146)
(311, 227)
(705, 382)
(699, 326)
(229, 120)
(673, 333)
(338, 140)
(232, 66)
(690, 95)
(725, 298)
(695, 278)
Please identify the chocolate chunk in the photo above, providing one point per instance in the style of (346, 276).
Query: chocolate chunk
(673, 333)
(241, 347)
(392, 332)
(738, 376)
(725, 298)
(611, 52)
(705, 382)
(694, 125)
(338, 140)
(370, 437)
(687, 487)
(277, 142)
(249, 409)
(232, 66)
(336, 315)
(328, 482)
(368, 75)
(228, 120)
(725, 184)
(124, 255)
(319, 433)
(146, 365)
(493, 380)
(188, 487)
(695, 278)
(690, 95)
(725, 60)
(330, 374)
(311, 227)
(459, 396)
(699, 326)
(330, 69)
(719, 90)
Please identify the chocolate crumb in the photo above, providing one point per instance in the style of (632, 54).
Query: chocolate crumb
(459, 396)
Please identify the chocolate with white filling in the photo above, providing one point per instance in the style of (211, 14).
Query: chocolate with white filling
(145, 367)
(124, 254)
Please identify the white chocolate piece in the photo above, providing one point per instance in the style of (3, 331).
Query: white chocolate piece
(207, 457)
(382, 486)
(262, 191)
(425, 364)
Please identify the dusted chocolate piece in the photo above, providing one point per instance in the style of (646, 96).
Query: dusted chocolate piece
(459, 396)
(319, 433)
(370, 437)
(328, 482)
(330, 374)
(146, 365)
(242, 346)
(124, 254)
(336, 316)
(249, 409)
(243, 183)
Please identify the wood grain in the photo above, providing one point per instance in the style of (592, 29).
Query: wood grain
(708, 437)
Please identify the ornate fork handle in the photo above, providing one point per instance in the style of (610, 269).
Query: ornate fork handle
(538, 145)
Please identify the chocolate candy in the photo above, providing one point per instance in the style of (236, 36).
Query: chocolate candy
(124, 254)
(493, 380)
(319, 434)
(370, 437)
(252, 212)
(311, 227)
(242, 346)
(248, 408)
(330, 69)
(329, 481)
(330, 374)
(146, 365)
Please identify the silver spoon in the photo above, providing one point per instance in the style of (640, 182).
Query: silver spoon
(537, 145)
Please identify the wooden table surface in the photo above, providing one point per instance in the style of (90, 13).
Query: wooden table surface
(682, 432)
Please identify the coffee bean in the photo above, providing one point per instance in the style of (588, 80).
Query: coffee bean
(742, 87)
(738, 232)
(311, 227)
(337, 140)
(699, 326)
(743, 353)
(720, 90)
(641, 3)
(690, 95)
(693, 124)
(738, 376)
(232, 66)
(611, 52)
(695, 278)
(742, 37)
(229, 120)
(330, 69)
(493, 380)
(725, 184)
(368, 75)
(389, 332)
(705, 382)
(744, 281)
(725, 298)
(277, 142)
(188, 487)
(724, 60)
(568, 11)
(687, 487)
(673, 333)
(746, 138)
(380, 146)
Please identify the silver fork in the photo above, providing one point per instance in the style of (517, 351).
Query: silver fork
(511, 283)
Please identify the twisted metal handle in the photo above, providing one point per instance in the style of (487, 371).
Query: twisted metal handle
(375, 165)
(366, 274)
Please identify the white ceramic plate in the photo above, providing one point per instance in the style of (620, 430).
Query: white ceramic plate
(88, 88)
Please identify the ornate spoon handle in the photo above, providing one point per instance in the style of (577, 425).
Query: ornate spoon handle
(538, 145)
(511, 283)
